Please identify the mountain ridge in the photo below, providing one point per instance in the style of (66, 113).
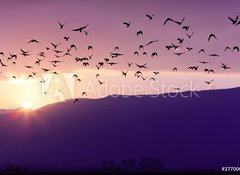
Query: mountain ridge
(184, 133)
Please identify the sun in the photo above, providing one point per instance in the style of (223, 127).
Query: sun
(27, 105)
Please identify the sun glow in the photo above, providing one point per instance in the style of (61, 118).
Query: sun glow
(27, 105)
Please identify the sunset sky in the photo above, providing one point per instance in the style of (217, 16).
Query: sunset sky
(24, 20)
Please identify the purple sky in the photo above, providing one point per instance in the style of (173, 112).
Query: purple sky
(22, 21)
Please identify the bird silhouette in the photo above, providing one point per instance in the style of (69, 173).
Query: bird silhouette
(2, 64)
(33, 41)
(177, 88)
(227, 48)
(203, 62)
(106, 60)
(66, 38)
(73, 46)
(168, 20)
(151, 42)
(234, 21)
(211, 36)
(174, 69)
(141, 47)
(55, 45)
(185, 28)
(100, 82)
(136, 53)
(127, 24)
(80, 29)
(90, 48)
(116, 48)
(124, 73)
(29, 67)
(180, 23)
(75, 101)
(150, 17)
(179, 53)
(189, 35)
(176, 46)
(42, 81)
(211, 71)
(75, 76)
(140, 33)
(156, 73)
(202, 51)
(142, 66)
(214, 55)
(24, 53)
(129, 64)
(189, 48)
(180, 40)
(112, 63)
(169, 47)
(84, 93)
(46, 70)
(154, 54)
(225, 67)
(144, 53)
(85, 64)
(235, 48)
(113, 55)
(86, 32)
(208, 82)
(153, 79)
(61, 25)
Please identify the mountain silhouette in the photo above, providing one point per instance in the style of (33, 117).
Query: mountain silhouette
(198, 133)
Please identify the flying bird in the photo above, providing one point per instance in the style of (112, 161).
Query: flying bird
(66, 38)
(139, 33)
(208, 82)
(129, 64)
(127, 24)
(203, 62)
(141, 66)
(235, 48)
(214, 55)
(61, 25)
(151, 42)
(55, 45)
(189, 35)
(33, 41)
(180, 40)
(124, 74)
(80, 29)
(234, 21)
(185, 28)
(202, 51)
(150, 17)
(75, 101)
(224, 66)
(211, 36)
(227, 48)
(174, 69)
(179, 53)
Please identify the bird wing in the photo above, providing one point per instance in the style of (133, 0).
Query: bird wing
(168, 19)
(78, 29)
(233, 21)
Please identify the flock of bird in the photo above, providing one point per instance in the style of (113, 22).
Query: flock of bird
(11, 59)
